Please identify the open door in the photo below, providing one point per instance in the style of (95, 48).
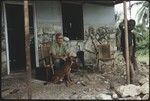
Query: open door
(16, 36)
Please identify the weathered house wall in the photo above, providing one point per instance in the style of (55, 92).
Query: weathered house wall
(49, 18)
(49, 22)
(96, 16)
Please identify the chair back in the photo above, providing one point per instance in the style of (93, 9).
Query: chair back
(44, 51)
(104, 51)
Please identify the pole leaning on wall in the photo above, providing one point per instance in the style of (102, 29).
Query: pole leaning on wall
(126, 43)
(130, 8)
(27, 48)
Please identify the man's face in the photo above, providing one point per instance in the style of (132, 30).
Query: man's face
(131, 24)
(60, 39)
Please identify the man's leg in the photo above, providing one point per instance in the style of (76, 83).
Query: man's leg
(56, 64)
(133, 59)
(132, 71)
(124, 54)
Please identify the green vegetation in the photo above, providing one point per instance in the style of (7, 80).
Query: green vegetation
(142, 14)
(143, 58)
(141, 31)
(142, 39)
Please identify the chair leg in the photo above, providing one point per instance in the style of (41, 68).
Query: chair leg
(97, 64)
(100, 67)
(102, 70)
(52, 70)
(47, 74)
(47, 81)
(113, 64)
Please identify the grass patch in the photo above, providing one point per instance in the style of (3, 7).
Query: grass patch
(143, 55)
(143, 58)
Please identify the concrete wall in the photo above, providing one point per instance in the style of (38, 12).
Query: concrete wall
(49, 20)
(97, 15)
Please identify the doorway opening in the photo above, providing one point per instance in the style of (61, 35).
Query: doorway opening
(72, 18)
(16, 37)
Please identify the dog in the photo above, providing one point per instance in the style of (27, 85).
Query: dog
(64, 73)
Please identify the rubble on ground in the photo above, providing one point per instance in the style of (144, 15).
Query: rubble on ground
(87, 85)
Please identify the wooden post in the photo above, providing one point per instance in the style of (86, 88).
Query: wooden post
(126, 42)
(130, 8)
(27, 48)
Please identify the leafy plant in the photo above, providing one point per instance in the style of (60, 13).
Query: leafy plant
(142, 13)
(142, 37)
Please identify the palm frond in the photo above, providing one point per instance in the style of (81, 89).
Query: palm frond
(137, 3)
(140, 15)
(146, 4)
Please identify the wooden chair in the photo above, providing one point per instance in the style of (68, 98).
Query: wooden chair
(104, 55)
(46, 57)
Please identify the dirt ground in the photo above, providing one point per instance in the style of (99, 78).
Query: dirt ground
(88, 84)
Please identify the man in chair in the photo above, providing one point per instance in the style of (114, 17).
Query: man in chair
(59, 51)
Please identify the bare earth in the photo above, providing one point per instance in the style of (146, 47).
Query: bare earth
(88, 84)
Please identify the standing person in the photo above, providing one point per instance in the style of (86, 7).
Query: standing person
(59, 51)
(132, 47)
(131, 43)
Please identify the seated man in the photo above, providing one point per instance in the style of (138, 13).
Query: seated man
(59, 51)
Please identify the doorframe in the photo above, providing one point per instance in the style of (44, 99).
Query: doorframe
(35, 35)
(6, 32)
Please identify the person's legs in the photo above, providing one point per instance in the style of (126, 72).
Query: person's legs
(132, 68)
(133, 59)
(124, 54)
(134, 62)
(58, 63)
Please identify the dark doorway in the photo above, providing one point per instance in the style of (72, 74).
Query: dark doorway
(72, 15)
(16, 37)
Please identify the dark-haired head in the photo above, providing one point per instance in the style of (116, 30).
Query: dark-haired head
(59, 38)
(58, 34)
(131, 24)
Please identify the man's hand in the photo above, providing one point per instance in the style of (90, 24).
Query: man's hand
(60, 57)
(64, 58)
